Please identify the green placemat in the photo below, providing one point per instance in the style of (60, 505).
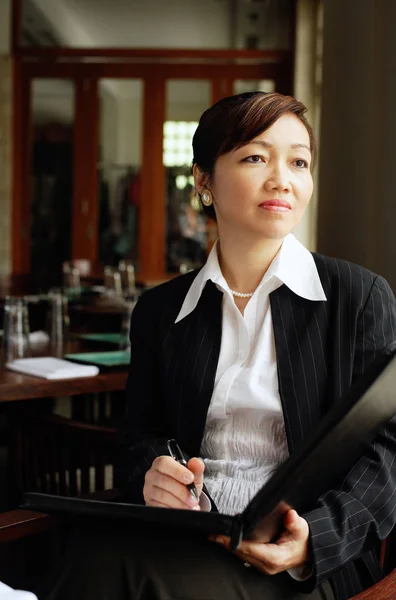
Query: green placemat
(117, 358)
(108, 338)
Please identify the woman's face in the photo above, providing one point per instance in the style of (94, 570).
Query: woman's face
(263, 188)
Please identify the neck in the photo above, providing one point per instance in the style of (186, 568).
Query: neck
(244, 264)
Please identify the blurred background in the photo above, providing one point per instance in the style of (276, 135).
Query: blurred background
(99, 100)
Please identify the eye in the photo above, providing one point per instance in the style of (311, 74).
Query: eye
(301, 163)
(255, 158)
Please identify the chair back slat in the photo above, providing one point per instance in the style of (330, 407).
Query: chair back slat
(61, 456)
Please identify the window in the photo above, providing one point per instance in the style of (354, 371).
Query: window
(177, 149)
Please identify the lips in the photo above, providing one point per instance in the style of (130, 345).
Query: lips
(275, 206)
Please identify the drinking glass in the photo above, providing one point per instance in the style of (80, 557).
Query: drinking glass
(127, 272)
(71, 279)
(129, 305)
(15, 343)
(112, 281)
(57, 321)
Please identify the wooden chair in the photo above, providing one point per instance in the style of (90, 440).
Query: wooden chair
(383, 590)
(55, 455)
(50, 454)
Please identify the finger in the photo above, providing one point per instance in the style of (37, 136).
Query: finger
(222, 540)
(156, 479)
(160, 496)
(246, 556)
(296, 525)
(268, 558)
(272, 557)
(243, 548)
(254, 562)
(197, 467)
(169, 466)
(155, 504)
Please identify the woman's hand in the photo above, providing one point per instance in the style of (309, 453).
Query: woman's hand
(166, 482)
(289, 551)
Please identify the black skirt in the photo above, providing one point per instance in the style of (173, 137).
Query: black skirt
(112, 561)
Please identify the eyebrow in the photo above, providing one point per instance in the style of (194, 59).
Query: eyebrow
(267, 145)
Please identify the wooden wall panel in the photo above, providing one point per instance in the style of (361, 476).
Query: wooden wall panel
(21, 166)
(230, 55)
(152, 221)
(85, 160)
(220, 72)
(16, 25)
(224, 86)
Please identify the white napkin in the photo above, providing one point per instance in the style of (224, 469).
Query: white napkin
(38, 337)
(7, 593)
(48, 367)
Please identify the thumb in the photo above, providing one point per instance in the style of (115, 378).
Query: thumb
(197, 466)
(296, 525)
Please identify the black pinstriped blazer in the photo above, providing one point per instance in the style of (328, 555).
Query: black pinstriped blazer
(321, 348)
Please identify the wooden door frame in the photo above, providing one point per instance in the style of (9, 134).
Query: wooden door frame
(221, 72)
(85, 206)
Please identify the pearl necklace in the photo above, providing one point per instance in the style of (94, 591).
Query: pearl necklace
(241, 294)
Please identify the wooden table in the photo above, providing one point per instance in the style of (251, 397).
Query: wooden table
(16, 386)
(96, 400)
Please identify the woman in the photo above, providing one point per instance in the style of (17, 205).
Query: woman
(239, 362)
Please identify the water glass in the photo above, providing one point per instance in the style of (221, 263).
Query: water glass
(15, 343)
(57, 321)
(71, 279)
(129, 305)
(127, 272)
(112, 281)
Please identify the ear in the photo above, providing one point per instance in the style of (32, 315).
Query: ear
(200, 178)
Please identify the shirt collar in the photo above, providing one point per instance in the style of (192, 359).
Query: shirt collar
(293, 265)
(297, 269)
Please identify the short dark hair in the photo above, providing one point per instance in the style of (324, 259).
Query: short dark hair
(235, 121)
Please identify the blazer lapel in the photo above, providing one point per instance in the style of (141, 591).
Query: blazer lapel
(195, 345)
(301, 372)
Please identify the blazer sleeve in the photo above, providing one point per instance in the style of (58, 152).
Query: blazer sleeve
(143, 436)
(362, 511)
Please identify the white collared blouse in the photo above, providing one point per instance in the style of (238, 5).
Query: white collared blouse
(244, 438)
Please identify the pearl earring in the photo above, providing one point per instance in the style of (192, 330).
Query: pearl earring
(207, 198)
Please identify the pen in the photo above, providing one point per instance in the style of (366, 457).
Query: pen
(176, 453)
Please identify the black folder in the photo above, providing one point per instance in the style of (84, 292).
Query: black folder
(319, 464)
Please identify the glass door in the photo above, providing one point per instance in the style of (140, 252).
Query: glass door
(108, 174)
(186, 229)
(51, 176)
(119, 169)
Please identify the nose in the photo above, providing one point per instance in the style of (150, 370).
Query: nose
(278, 178)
